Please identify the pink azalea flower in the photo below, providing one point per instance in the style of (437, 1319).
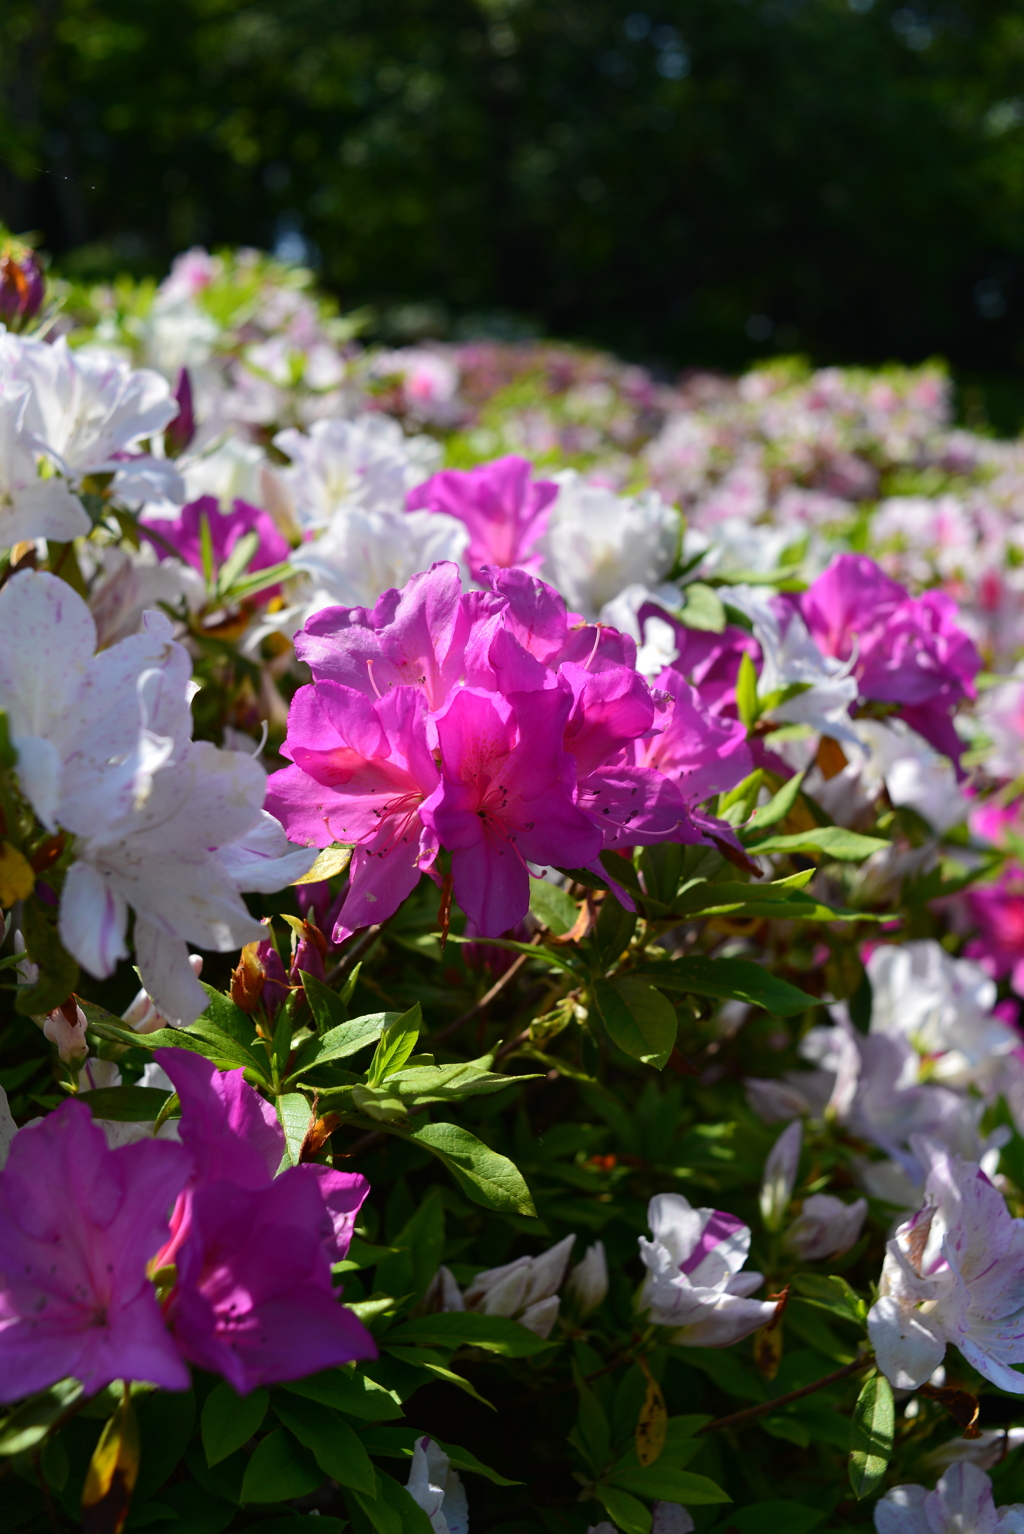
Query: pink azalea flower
(505, 796)
(78, 1224)
(184, 534)
(362, 773)
(905, 650)
(253, 1299)
(413, 637)
(234, 1137)
(506, 512)
(998, 912)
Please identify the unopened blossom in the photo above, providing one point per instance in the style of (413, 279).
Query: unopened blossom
(952, 1276)
(779, 1176)
(597, 542)
(825, 1227)
(65, 1027)
(989, 1449)
(22, 284)
(962, 1503)
(78, 1225)
(525, 1289)
(505, 511)
(435, 1487)
(587, 1284)
(693, 1282)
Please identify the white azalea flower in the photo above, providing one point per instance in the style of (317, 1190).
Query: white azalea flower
(598, 543)
(31, 507)
(364, 552)
(435, 1487)
(367, 462)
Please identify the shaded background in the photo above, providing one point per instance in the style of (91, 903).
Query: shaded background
(704, 182)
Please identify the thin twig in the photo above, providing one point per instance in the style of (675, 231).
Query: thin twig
(356, 952)
(737, 1419)
(488, 996)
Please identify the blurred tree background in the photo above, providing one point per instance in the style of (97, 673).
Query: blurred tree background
(700, 182)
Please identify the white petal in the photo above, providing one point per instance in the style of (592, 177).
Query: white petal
(264, 860)
(39, 773)
(93, 920)
(167, 975)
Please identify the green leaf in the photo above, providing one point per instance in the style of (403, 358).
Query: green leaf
(335, 1446)
(125, 1105)
(746, 691)
(449, 1083)
(624, 1510)
(614, 931)
(420, 1244)
(229, 1420)
(29, 1423)
(280, 1469)
(778, 807)
(393, 1511)
(259, 580)
(593, 1431)
(397, 1042)
(703, 609)
(351, 1392)
(555, 908)
(486, 1177)
(871, 1435)
(547, 955)
(237, 561)
(835, 841)
(470, 1329)
(295, 1114)
(327, 1007)
(340, 1042)
(731, 979)
(421, 1359)
(667, 1484)
(639, 1019)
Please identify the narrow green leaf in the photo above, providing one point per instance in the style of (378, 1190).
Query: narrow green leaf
(871, 1435)
(667, 1484)
(237, 561)
(730, 979)
(421, 1359)
(639, 1019)
(397, 1042)
(229, 1420)
(778, 807)
(630, 1515)
(335, 1446)
(206, 550)
(468, 1328)
(746, 691)
(547, 955)
(834, 841)
(350, 1392)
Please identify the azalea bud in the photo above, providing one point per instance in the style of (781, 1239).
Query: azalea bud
(22, 285)
(588, 1282)
(443, 1293)
(182, 429)
(65, 1026)
(825, 1227)
(779, 1177)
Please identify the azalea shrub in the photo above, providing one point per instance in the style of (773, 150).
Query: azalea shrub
(513, 892)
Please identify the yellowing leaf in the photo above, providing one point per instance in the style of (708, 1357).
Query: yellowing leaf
(333, 860)
(17, 881)
(112, 1473)
(652, 1424)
